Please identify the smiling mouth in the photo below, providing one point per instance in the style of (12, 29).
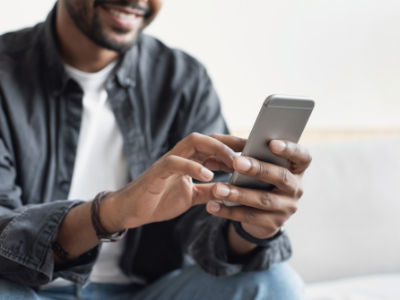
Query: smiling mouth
(123, 10)
(122, 15)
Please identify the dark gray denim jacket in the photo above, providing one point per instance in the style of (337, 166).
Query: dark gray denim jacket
(159, 95)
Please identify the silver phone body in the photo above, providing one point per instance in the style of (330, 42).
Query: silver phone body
(281, 118)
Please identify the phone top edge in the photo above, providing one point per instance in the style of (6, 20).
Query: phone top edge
(286, 101)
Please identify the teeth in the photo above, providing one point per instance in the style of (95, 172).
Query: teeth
(121, 14)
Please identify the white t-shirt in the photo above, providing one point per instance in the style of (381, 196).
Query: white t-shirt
(100, 164)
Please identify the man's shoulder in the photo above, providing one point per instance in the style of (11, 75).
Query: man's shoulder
(13, 44)
(160, 53)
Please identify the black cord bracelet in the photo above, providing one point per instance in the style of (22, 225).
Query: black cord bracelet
(261, 242)
(62, 254)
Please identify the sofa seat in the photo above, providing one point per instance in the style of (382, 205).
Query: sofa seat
(376, 287)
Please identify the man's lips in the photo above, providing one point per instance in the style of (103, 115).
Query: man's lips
(124, 7)
(123, 11)
(126, 19)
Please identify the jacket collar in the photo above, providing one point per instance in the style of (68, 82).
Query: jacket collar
(55, 68)
(127, 68)
(58, 78)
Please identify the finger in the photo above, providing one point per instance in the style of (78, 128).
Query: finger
(248, 215)
(202, 193)
(263, 200)
(298, 155)
(235, 143)
(281, 177)
(175, 165)
(198, 146)
(214, 164)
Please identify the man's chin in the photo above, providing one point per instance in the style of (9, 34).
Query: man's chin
(115, 41)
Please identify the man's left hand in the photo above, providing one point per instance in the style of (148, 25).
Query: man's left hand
(264, 212)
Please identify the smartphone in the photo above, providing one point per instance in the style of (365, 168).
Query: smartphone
(281, 118)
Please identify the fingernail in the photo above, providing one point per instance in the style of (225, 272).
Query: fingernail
(207, 174)
(222, 190)
(243, 164)
(279, 146)
(214, 206)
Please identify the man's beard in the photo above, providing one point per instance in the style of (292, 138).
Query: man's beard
(94, 29)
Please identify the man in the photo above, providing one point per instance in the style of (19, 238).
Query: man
(91, 106)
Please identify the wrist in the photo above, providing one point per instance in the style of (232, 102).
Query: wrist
(109, 217)
(250, 238)
(237, 244)
(257, 232)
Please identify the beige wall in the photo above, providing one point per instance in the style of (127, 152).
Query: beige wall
(343, 53)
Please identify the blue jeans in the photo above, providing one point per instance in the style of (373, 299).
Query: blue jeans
(280, 282)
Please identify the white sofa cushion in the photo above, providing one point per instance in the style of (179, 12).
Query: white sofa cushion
(348, 222)
(379, 287)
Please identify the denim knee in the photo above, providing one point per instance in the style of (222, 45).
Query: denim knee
(13, 291)
(279, 282)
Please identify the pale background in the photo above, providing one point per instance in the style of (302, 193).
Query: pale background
(344, 54)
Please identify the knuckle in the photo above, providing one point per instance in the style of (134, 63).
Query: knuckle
(285, 176)
(265, 200)
(168, 163)
(229, 212)
(193, 136)
(290, 148)
(236, 195)
(296, 149)
(261, 169)
(292, 209)
(169, 160)
(250, 216)
(305, 155)
(214, 135)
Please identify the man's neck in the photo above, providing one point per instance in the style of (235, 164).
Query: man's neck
(76, 49)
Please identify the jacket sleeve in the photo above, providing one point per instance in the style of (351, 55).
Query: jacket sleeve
(203, 236)
(27, 232)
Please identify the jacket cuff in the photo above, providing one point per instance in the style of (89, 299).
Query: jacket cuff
(26, 245)
(78, 271)
(211, 253)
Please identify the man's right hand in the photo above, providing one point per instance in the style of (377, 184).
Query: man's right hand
(163, 192)
(166, 190)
